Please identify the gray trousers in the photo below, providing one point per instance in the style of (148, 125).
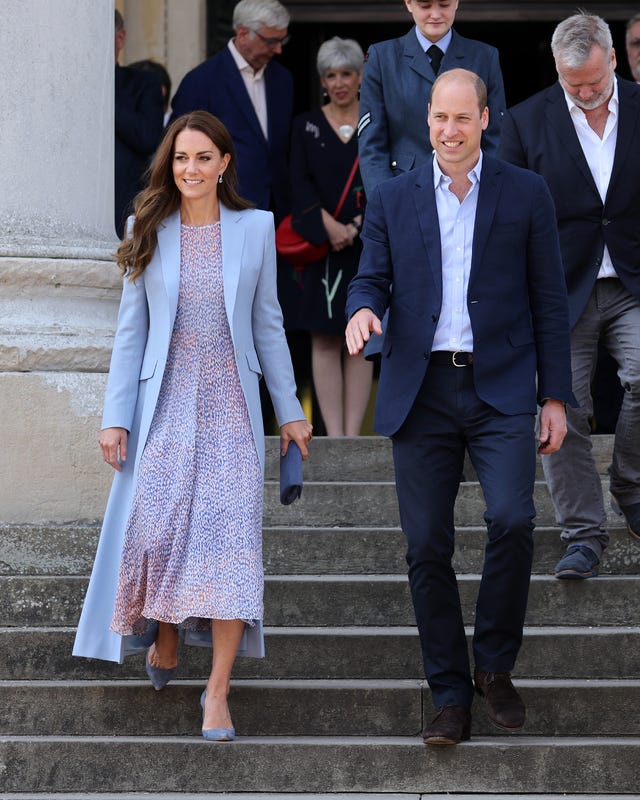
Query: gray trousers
(612, 314)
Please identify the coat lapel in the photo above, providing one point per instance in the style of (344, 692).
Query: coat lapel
(416, 58)
(628, 119)
(239, 95)
(169, 249)
(425, 204)
(489, 191)
(232, 232)
(558, 117)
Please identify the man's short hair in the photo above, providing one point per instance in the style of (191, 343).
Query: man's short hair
(574, 38)
(254, 13)
(119, 21)
(476, 81)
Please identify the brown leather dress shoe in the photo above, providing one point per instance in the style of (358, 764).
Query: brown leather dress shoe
(504, 705)
(451, 725)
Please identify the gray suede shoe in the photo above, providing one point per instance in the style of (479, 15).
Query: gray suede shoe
(577, 563)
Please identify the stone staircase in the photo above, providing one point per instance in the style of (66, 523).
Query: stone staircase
(335, 708)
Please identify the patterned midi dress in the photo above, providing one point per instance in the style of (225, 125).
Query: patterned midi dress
(193, 543)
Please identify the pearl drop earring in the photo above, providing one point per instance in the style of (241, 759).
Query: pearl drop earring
(220, 178)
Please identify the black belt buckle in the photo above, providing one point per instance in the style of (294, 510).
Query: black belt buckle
(468, 359)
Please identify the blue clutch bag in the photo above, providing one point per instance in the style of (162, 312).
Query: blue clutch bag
(290, 475)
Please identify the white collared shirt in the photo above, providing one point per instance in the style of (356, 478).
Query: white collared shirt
(254, 81)
(599, 154)
(457, 222)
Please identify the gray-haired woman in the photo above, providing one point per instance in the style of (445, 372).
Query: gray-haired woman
(323, 151)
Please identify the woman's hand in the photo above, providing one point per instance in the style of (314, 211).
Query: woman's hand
(113, 443)
(339, 235)
(299, 432)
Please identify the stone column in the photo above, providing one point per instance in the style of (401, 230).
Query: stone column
(59, 285)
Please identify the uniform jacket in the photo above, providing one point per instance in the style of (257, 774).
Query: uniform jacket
(393, 134)
(141, 346)
(539, 134)
(516, 296)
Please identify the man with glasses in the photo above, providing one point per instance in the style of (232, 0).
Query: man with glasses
(253, 96)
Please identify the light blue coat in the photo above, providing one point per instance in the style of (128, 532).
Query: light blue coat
(141, 346)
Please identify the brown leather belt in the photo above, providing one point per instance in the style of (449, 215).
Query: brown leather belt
(448, 358)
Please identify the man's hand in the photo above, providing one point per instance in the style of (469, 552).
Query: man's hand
(359, 329)
(553, 426)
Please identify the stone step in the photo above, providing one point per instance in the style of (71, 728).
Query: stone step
(329, 653)
(369, 458)
(304, 796)
(302, 708)
(69, 550)
(331, 504)
(301, 796)
(334, 600)
(524, 764)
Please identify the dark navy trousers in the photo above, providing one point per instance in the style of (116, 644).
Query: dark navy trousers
(429, 449)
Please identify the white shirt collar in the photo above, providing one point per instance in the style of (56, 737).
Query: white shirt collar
(576, 110)
(439, 176)
(443, 43)
(242, 63)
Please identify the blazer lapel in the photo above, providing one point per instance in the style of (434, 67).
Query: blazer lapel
(239, 95)
(232, 232)
(558, 117)
(169, 249)
(425, 204)
(628, 118)
(488, 193)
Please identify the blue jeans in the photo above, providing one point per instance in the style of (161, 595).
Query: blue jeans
(612, 313)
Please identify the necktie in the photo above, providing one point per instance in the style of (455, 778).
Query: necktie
(436, 55)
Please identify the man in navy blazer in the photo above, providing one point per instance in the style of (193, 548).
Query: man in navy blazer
(397, 79)
(253, 96)
(477, 315)
(582, 135)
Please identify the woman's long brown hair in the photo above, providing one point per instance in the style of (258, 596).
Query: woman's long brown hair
(161, 197)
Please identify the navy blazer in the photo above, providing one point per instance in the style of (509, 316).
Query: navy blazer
(516, 297)
(217, 86)
(393, 134)
(138, 130)
(540, 135)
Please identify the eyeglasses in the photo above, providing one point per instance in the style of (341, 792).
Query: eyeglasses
(270, 42)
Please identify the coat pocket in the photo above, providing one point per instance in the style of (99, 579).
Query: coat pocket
(254, 362)
(149, 364)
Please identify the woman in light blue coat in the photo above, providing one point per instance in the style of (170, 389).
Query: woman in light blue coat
(199, 324)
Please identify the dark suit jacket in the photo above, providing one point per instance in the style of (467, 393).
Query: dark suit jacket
(139, 122)
(516, 296)
(397, 80)
(216, 86)
(539, 134)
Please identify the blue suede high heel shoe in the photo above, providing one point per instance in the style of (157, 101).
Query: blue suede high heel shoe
(216, 734)
(158, 676)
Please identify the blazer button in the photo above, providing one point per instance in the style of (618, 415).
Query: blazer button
(606, 221)
(434, 318)
(394, 164)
